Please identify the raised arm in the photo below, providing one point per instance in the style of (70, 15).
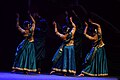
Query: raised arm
(17, 24)
(57, 32)
(88, 36)
(33, 22)
(74, 26)
(98, 26)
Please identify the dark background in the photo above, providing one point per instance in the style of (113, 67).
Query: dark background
(107, 12)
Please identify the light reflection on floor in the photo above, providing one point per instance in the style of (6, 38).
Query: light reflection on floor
(20, 76)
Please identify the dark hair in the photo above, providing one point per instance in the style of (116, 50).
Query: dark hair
(25, 24)
(65, 29)
(42, 23)
(92, 30)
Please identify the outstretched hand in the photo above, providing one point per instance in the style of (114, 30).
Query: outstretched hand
(70, 19)
(36, 14)
(54, 23)
(86, 24)
(90, 20)
(66, 13)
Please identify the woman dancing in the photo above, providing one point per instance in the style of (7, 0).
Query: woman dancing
(64, 58)
(25, 53)
(95, 61)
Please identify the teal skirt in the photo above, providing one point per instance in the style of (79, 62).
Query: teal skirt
(64, 60)
(25, 57)
(96, 62)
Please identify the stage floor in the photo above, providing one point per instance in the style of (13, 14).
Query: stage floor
(19, 76)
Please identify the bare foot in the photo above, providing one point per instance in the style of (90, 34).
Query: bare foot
(52, 72)
(74, 74)
(26, 72)
(65, 74)
(13, 70)
(38, 72)
(81, 74)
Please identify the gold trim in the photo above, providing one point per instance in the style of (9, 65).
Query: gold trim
(56, 69)
(64, 70)
(94, 74)
(72, 71)
(30, 70)
(101, 45)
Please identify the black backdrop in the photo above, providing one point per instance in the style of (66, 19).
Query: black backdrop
(104, 10)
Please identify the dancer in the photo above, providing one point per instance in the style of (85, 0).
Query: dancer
(25, 53)
(95, 61)
(40, 40)
(64, 58)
